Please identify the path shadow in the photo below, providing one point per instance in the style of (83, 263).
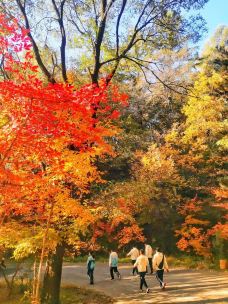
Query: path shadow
(207, 301)
(193, 286)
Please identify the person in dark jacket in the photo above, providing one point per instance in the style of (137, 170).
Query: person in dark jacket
(90, 267)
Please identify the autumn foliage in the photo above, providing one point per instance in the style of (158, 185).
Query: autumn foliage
(53, 135)
(50, 137)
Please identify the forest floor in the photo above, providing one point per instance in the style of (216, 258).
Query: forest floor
(69, 295)
(183, 286)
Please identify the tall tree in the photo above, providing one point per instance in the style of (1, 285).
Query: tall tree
(49, 141)
(176, 180)
(98, 37)
(203, 141)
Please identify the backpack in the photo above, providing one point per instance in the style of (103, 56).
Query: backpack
(160, 266)
(114, 262)
(91, 264)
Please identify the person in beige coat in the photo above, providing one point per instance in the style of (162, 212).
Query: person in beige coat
(159, 265)
(134, 254)
(149, 254)
(142, 263)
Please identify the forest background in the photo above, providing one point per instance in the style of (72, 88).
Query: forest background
(113, 131)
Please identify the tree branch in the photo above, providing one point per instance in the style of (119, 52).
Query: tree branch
(35, 47)
(59, 13)
(141, 66)
(95, 12)
(99, 39)
(117, 26)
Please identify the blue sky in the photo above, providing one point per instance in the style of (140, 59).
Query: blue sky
(215, 12)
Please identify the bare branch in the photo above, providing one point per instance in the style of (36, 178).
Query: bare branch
(77, 27)
(117, 26)
(35, 47)
(142, 67)
(59, 13)
(95, 12)
(142, 13)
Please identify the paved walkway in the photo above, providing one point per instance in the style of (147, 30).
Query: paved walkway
(183, 286)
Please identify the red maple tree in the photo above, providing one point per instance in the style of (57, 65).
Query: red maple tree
(50, 137)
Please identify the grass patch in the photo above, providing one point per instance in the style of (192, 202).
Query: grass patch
(102, 259)
(76, 295)
(13, 299)
(69, 295)
(175, 261)
(83, 259)
(191, 262)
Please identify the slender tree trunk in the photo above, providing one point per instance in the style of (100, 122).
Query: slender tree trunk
(34, 278)
(36, 299)
(52, 277)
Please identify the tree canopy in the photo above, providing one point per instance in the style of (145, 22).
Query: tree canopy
(111, 125)
(99, 37)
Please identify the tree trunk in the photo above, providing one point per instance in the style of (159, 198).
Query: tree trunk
(37, 277)
(9, 283)
(52, 277)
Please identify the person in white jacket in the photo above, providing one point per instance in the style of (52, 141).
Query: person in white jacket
(159, 265)
(113, 264)
(149, 254)
(134, 254)
(142, 263)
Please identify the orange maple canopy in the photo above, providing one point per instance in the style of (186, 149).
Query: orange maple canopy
(39, 122)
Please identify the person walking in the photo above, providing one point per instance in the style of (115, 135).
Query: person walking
(113, 264)
(90, 267)
(149, 254)
(159, 265)
(142, 263)
(134, 254)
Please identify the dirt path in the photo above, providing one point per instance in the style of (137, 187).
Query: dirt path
(183, 286)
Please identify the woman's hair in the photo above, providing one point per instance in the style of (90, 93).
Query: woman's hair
(142, 251)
